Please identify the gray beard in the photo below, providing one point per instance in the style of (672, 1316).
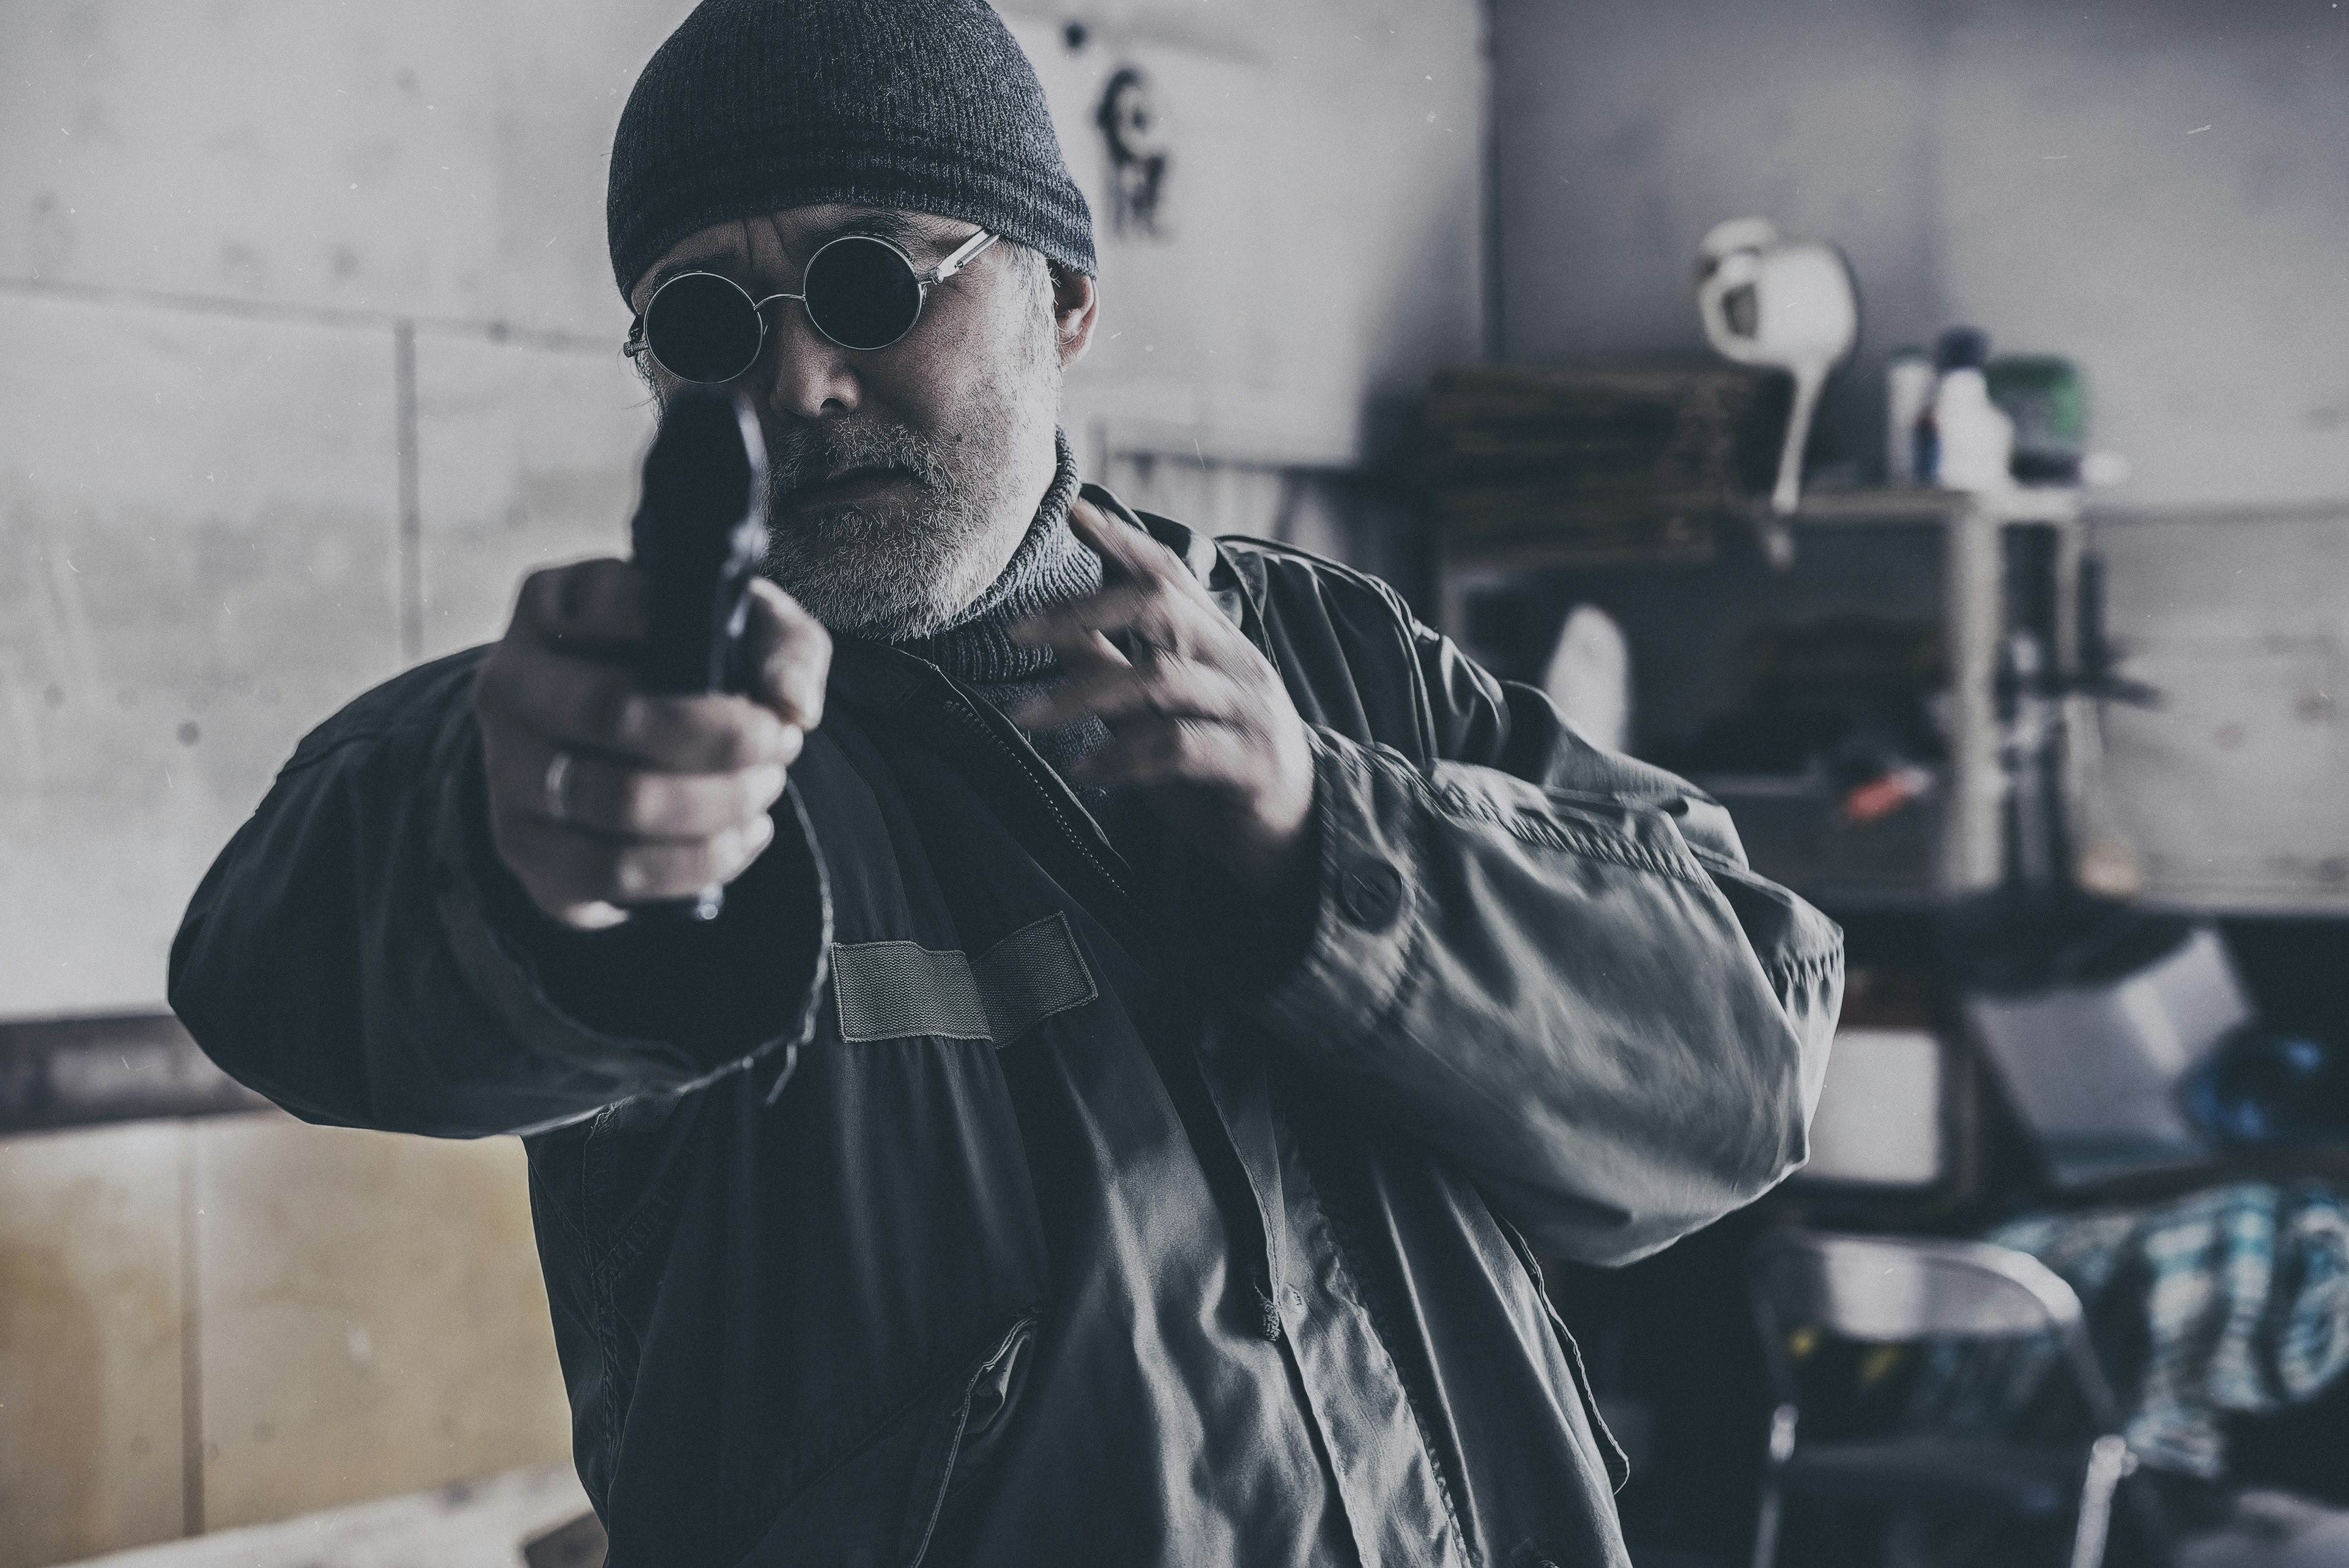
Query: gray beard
(886, 570)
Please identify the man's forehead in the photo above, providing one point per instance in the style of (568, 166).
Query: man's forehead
(792, 233)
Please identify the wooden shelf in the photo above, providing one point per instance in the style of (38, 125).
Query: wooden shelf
(1967, 847)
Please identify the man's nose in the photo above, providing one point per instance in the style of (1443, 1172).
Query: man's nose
(804, 374)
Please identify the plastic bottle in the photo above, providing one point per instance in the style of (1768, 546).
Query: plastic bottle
(1977, 441)
(1909, 383)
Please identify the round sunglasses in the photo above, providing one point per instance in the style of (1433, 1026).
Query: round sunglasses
(860, 291)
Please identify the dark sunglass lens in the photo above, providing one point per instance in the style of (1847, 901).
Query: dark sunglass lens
(702, 328)
(861, 294)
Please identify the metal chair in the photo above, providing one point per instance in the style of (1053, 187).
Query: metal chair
(1889, 1290)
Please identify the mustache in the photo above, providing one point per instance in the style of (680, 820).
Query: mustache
(810, 454)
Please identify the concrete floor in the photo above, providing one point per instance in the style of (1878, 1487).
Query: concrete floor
(467, 1524)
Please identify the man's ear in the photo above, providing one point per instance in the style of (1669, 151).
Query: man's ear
(1076, 307)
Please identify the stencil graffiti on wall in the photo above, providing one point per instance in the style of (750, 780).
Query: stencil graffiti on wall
(1134, 133)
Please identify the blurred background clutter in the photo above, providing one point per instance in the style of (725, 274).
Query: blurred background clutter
(1924, 424)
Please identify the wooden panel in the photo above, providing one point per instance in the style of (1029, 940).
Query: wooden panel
(90, 1369)
(478, 1524)
(2230, 788)
(370, 1317)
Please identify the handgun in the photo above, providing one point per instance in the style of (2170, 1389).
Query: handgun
(699, 535)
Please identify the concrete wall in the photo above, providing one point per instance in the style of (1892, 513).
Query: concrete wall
(1320, 241)
(2150, 186)
(313, 340)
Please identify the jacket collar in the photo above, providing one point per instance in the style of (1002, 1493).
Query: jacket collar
(1234, 582)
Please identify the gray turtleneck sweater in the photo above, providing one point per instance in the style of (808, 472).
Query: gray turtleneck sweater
(1051, 566)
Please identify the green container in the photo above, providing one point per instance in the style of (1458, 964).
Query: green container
(2044, 395)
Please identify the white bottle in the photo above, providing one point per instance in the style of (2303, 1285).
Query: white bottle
(1977, 439)
(1909, 384)
(1590, 677)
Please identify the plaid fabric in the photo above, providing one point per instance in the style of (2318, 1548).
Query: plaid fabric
(2231, 1302)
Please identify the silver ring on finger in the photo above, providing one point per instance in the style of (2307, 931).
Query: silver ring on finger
(558, 786)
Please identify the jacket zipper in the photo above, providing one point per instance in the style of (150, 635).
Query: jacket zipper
(1044, 789)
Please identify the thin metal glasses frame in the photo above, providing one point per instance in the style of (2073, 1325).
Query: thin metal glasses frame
(963, 255)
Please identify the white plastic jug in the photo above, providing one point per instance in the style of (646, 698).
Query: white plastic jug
(1768, 301)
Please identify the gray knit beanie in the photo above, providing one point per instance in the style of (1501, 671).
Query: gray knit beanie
(753, 106)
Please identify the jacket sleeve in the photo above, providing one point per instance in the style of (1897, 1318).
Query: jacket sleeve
(359, 955)
(1552, 962)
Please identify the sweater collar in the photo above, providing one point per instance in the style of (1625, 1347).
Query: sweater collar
(1050, 566)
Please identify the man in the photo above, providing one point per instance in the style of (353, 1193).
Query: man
(1208, 991)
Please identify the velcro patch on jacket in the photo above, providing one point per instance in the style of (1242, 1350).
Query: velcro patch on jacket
(894, 991)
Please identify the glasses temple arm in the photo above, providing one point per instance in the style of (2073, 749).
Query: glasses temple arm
(966, 253)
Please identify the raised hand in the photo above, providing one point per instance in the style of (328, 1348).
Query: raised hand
(1198, 718)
